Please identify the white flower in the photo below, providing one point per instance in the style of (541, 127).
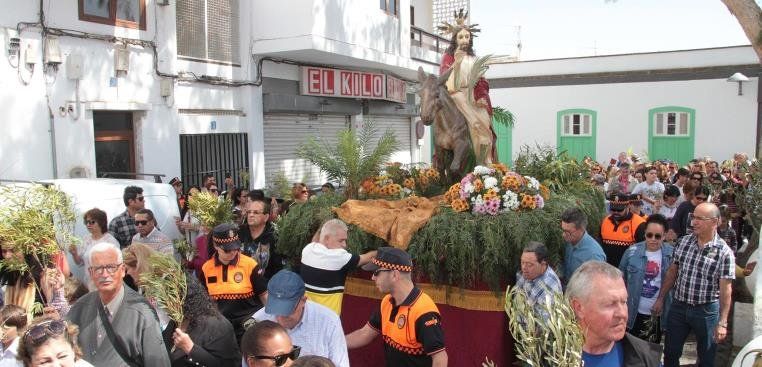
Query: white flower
(478, 200)
(510, 200)
(469, 188)
(490, 182)
(532, 183)
(407, 191)
(481, 170)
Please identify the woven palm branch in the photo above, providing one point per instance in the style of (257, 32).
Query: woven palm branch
(166, 283)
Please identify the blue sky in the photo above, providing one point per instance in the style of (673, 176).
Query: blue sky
(568, 28)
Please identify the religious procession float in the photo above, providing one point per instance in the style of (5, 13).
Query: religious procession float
(464, 220)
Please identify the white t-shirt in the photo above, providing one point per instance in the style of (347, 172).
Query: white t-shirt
(8, 356)
(651, 282)
(652, 192)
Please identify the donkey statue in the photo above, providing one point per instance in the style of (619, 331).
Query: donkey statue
(450, 126)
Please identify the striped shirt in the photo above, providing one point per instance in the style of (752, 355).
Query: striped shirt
(324, 271)
(700, 270)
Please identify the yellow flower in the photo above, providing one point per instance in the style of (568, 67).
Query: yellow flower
(544, 192)
(409, 183)
(478, 185)
(490, 194)
(528, 202)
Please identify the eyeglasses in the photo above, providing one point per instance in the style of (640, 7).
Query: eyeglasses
(653, 235)
(141, 222)
(281, 359)
(700, 198)
(38, 334)
(90, 222)
(698, 217)
(110, 268)
(304, 191)
(140, 198)
(379, 271)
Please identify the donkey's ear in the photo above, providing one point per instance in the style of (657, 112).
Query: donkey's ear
(421, 74)
(443, 78)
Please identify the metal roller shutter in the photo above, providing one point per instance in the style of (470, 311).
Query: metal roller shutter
(283, 133)
(401, 127)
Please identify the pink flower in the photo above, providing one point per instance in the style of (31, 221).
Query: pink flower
(493, 206)
(480, 209)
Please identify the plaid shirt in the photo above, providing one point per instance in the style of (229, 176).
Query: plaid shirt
(700, 270)
(122, 227)
(537, 289)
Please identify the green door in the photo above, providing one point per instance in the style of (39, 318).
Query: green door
(671, 133)
(576, 130)
(504, 142)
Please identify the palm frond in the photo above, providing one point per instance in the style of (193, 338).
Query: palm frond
(166, 283)
(503, 116)
(477, 71)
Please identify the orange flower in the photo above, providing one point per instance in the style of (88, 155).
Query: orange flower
(512, 182)
(368, 184)
(409, 183)
(478, 185)
(528, 202)
(502, 168)
(459, 205)
(455, 188)
(423, 180)
(544, 192)
(490, 194)
(432, 174)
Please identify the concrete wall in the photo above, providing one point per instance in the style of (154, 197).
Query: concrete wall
(25, 150)
(722, 116)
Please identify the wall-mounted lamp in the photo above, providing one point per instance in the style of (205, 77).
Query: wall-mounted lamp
(14, 44)
(740, 79)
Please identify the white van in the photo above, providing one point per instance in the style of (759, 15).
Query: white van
(106, 194)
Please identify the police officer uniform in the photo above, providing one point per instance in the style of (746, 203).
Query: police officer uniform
(411, 329)
(235, 286)
(618, 230)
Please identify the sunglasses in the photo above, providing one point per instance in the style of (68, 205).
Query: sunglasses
(379, 271)
(701, 198)
(39, 333)
(110, 268)
(141, 222)
(281, 359)
(653, 235)
(140, 198)
(90, 222)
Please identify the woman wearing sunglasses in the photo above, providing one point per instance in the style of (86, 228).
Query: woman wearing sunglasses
(51, 342)
(644, 266)
(96, 223)
(267, 344)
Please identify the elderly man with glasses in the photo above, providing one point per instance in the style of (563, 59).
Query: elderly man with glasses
(112, 310)
(122, 227)
(701, 273)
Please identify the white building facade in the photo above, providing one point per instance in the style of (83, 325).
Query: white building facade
(193, 87)
(665, 105)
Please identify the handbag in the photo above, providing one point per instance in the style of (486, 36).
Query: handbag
(118, 346)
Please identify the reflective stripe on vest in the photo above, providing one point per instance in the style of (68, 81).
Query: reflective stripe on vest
(624, 235)
(400, 332)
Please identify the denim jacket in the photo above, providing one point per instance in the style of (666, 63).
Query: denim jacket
(633, 266)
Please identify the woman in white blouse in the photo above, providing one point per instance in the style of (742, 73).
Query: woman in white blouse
(97, 226)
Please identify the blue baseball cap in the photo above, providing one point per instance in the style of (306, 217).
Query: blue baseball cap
(284, 291)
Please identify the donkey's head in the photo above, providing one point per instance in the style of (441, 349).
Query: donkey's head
(429, 92)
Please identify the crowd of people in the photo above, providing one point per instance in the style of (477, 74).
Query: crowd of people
(662, 268)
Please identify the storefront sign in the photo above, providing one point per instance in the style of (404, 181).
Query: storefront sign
(327, 82)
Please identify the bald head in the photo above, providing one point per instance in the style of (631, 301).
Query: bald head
(706, 217)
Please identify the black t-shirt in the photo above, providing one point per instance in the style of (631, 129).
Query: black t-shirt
(262, 249)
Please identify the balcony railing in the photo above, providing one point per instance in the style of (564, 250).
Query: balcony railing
(427, 47)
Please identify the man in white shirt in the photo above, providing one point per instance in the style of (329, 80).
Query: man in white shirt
(14, 323)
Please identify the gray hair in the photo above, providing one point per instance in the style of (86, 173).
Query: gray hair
(539, 250)
(104, 247)
(579, 284)
(331, 228)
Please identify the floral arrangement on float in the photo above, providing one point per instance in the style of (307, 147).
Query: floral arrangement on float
(495, 189)
(399, 181)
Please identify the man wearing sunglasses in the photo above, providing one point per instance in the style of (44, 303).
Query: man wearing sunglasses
(405, 312)
(702, 272)
(312, 326)
(122, 227)
(233, 279)
(117, 326)
(150, 235)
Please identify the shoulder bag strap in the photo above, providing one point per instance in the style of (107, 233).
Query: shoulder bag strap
(112, 338)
